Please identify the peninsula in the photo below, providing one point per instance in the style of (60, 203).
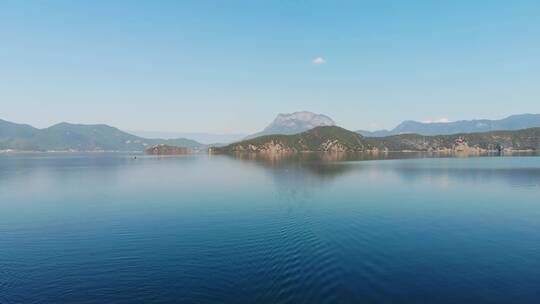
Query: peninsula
(336, 139)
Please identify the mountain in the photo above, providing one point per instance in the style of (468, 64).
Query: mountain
(325, 138)
(77, 137)
(525, 139)
(336, 139)
(294, 123)
(13, 130)
(515, 122)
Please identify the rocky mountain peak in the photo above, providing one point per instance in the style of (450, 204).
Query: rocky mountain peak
(294, 123)
(303, 119)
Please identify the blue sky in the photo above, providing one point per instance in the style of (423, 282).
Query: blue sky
(231, 66)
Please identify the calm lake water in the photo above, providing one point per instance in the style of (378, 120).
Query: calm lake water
(107, 228)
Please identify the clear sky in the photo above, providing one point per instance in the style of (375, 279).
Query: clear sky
(231, 66)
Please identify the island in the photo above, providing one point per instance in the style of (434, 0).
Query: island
(163, 149)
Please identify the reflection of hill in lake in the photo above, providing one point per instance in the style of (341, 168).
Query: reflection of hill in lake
(296, 172)
(298, 176)
(321, 165)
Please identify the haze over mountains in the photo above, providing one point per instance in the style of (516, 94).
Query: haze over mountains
(514, 122)
(203, 138)
(99, 137)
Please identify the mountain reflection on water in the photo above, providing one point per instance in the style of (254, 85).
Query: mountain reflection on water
(324, 167)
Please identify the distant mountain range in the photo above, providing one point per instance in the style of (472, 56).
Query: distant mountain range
(77, 137)
(204, 138)
(294, 123)
(336, 139)
(514, 122)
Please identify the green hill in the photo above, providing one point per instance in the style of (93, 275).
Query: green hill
(78, 137)
(15, 136)
(336, 139)
(326, 138)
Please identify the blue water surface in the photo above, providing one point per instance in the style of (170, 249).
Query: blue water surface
(108, 228)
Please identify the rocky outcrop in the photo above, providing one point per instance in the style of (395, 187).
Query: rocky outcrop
(333, 146)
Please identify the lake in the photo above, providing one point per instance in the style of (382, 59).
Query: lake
(108, 228)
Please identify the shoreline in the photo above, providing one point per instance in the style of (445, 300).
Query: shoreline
(9, 151)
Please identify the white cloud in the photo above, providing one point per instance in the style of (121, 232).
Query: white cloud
(438, 120)
(319, 60)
